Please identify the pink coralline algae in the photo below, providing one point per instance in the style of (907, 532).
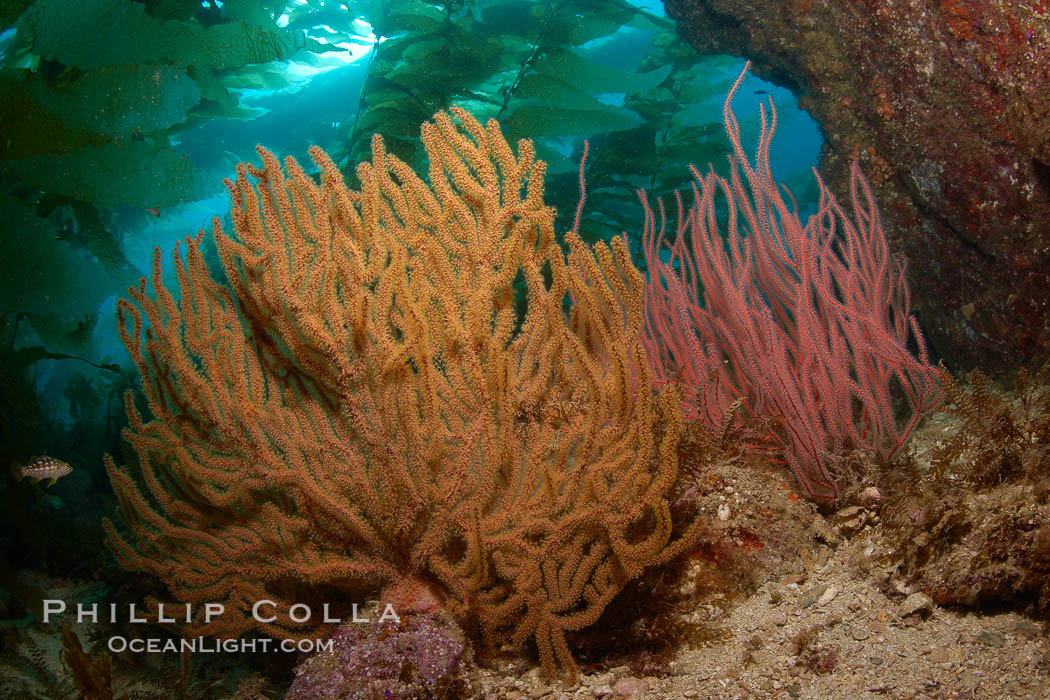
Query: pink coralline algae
(422, 656)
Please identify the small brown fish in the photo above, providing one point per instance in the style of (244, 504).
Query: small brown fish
(40, 468)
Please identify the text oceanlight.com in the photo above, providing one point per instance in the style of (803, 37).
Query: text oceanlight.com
(204, 645)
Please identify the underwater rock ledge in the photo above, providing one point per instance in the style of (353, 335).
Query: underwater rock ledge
(941, 104)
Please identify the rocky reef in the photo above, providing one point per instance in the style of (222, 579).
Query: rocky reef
(944, 106)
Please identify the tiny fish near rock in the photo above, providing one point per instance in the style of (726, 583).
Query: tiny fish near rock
(40, 468)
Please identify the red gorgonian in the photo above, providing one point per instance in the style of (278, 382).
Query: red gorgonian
(808, 326)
